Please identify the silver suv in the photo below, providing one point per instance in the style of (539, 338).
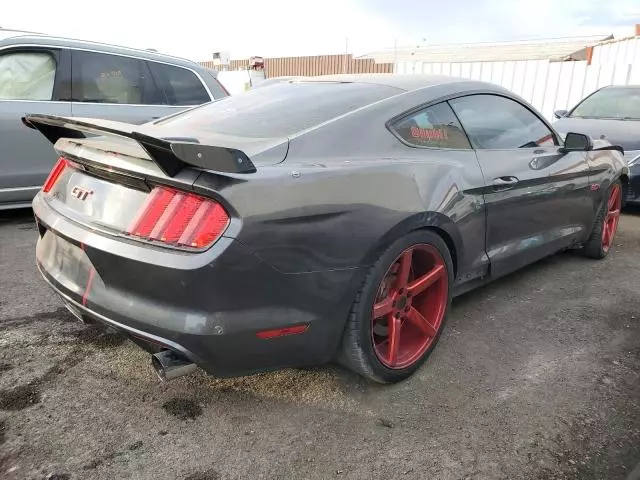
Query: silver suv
(56, 76)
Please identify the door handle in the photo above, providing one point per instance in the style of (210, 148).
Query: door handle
(505, 181)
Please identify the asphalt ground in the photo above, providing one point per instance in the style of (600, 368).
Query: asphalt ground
(537, 376)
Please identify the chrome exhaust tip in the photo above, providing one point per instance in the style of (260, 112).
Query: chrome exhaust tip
(169, 365)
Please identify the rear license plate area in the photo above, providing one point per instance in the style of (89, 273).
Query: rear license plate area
(67, 266)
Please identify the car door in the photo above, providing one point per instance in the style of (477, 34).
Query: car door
(452, 179)
(115, 87)
(532, 191)
(32, 80)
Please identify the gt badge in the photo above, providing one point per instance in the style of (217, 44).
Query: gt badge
(81, 193)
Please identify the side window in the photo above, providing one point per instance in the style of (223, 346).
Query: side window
(494, 122)
(435, 126)
(27, 76)
(104, 78)
(181, 86)
(215, 87)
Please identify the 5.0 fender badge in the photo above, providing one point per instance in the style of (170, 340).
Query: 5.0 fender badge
(81, 193)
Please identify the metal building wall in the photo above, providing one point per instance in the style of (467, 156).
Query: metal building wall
(314, 65)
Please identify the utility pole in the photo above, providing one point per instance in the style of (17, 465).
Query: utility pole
(395, 55)
(346, 53)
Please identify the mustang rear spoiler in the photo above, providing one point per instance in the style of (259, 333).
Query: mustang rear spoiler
(170, 154)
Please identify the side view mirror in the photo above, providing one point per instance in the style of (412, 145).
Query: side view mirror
(560, 113)
(576, 142)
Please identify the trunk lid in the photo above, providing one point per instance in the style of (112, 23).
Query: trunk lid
(107, 203)
(106, 181)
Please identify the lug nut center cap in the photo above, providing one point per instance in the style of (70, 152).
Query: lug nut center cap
(401, 302)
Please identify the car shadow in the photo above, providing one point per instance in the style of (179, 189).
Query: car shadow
(16, 216)
(557, 260)
(632, 210)
(312, 381)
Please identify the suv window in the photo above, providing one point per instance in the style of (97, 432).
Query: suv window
(435, 126)
(180, 86)
(104, 78)
(495, 122)
(27, 76)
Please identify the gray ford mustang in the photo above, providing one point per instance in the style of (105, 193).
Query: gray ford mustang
(331, 218)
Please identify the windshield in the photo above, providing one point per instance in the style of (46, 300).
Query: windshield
(617, 103)
(280, 110)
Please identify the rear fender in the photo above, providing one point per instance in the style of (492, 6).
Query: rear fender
(434, 220)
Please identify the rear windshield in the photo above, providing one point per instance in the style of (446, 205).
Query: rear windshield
(618, 103)
(279, 110)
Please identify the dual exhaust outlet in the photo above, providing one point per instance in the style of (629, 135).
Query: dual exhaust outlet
(169, 365)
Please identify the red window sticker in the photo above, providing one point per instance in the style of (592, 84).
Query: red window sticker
(429, 133)
(548, 139)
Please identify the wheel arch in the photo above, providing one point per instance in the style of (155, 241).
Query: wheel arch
(624, 179)
(437, 222)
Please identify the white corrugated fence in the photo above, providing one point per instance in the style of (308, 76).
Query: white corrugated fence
(625, 51)
(547, 85)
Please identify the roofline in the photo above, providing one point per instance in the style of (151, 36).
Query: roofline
(44, 37)
(20, 32)
(428, 80)
(616, 40)
(596, 40)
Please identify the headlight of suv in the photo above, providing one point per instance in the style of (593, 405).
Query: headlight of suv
(632, 157)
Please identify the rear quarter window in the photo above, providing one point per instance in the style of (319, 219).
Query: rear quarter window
(432, 127)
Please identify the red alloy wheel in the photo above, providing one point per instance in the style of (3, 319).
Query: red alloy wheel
(611, 217)
(409, 306)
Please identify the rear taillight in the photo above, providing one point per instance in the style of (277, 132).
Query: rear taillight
(179, 219)
(55, 174)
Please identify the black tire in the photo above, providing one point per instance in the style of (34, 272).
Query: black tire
(356, 350)
(594, 246)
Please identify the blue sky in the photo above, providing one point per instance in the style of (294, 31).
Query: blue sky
(195, 28)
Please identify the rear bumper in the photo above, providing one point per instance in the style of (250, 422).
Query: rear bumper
(86, 314)
(207, 306)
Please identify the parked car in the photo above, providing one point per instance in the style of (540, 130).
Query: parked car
(238, 81)
(329, 218)
(55, 76)
(612, 113)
